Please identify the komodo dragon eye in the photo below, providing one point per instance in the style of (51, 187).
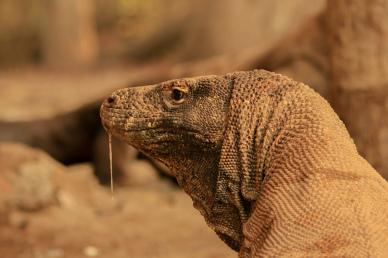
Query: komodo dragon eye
(178, 95)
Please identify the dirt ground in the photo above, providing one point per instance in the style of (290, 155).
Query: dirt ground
(151, 221)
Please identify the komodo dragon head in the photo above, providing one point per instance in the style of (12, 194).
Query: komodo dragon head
(204, 130)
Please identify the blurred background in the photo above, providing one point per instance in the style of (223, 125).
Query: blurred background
(60, 58)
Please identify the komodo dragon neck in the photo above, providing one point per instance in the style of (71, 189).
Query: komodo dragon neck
(293, 160)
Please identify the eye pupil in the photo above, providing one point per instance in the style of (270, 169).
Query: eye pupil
(177, 94)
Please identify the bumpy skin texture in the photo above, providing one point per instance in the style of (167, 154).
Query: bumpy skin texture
(265, 159)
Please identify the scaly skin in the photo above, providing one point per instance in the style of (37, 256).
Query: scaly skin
(265, 160)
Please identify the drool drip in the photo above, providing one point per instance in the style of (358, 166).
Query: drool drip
(110, 163)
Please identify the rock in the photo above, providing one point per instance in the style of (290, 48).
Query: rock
(81, 191)
(17, 220)
(91, 251)
(50, 253)
(28, 178)
(55, 253)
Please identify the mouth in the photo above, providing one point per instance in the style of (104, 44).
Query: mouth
(136, 130)
(114, 119)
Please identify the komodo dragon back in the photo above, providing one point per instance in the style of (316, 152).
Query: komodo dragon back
(265, 160)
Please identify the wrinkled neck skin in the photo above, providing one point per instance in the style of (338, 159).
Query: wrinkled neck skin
(294, 134)
(256, 117)
(195, 174)
(241, 170)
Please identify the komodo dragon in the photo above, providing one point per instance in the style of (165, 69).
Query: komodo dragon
(265, 159)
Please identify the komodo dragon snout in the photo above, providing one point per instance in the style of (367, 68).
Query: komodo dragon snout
(265, 159)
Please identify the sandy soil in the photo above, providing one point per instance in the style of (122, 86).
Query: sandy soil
(151, 221)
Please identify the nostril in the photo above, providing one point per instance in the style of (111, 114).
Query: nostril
(111, 100)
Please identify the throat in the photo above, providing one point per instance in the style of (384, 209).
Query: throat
(196, 172)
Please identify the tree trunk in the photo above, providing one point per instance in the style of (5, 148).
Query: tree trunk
(358, 42)
(70, 37)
